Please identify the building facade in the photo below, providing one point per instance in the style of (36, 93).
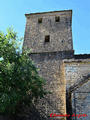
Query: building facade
(49, 36)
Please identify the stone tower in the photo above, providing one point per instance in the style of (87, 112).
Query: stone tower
(49, 31)
(49, 36)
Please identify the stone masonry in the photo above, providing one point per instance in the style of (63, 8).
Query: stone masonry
(60, 32)
(77, 75)
(49, 36)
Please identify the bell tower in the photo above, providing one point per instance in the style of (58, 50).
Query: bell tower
(49, 31)
(49, 36)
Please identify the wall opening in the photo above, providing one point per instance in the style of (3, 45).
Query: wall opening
(39, 20)
(47, 38)
(57, 19)
(69, 105)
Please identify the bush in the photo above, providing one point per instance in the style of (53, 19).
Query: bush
(19, 79)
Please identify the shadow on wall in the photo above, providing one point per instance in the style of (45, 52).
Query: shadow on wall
(72, 89)
(25, 113)
(31, 113)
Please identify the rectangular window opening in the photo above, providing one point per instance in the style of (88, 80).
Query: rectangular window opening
(57, 19)
(47, 38)
(40, 20)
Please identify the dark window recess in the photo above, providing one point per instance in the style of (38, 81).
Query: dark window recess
(62, 41)
(47, 38)
(57, 19)
(40, 20)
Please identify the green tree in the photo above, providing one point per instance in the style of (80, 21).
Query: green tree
(19, 79)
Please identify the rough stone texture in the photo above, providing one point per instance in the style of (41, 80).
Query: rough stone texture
(48, 56)
(67, 75)
(52, 69)
(60, 32)
(81, 101)
(77, 74)
(76, 70)
(64, 75)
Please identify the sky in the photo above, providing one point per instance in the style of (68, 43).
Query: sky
(12, 13)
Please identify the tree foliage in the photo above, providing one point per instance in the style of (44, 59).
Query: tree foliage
(19, 79)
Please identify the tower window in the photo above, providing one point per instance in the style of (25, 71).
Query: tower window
(62, 41)
(47, 38)
(40, 20)
(57, 19)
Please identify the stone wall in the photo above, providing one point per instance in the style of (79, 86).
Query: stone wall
(67, 79)
(48, 56)
(60, 32)
(52, 70)
(77, 74)
(81, 100)
(63, 77)
(75, 70)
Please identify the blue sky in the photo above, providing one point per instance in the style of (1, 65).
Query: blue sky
(12, 13)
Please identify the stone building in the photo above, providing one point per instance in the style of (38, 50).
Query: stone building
(49, 36)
